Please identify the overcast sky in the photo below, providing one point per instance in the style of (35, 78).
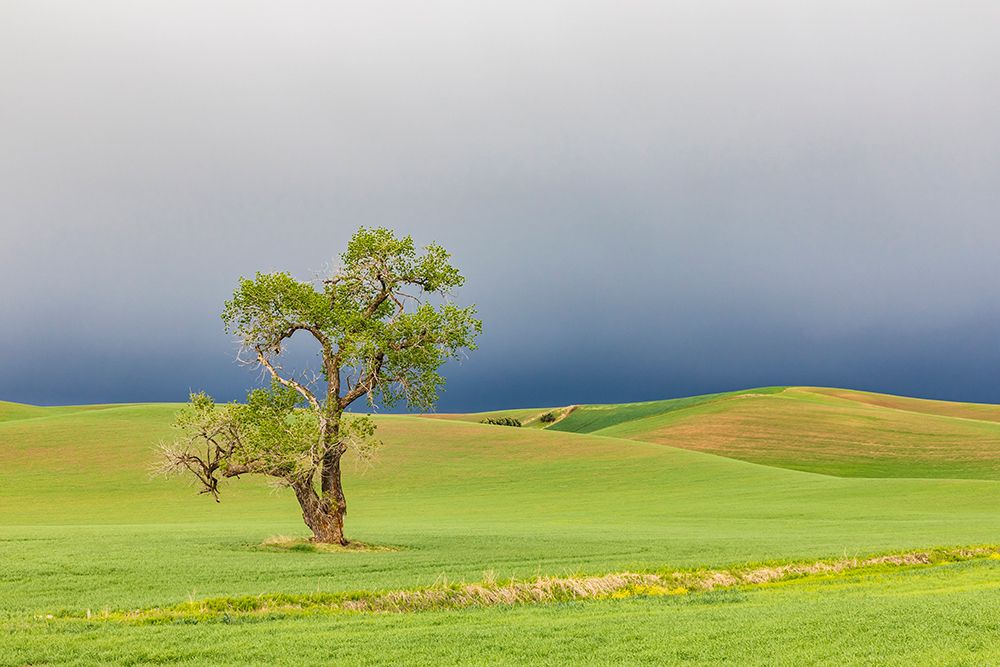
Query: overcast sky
(649, 199)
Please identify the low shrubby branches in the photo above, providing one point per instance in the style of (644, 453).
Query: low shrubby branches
(502, 421)
(547, 418)
(492, 592)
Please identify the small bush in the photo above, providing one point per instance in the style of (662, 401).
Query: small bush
(501, 421)
(547, 418)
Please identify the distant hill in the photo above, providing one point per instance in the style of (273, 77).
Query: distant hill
(830, 431)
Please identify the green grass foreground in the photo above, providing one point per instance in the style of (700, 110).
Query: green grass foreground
(936, 616)
(83, 526)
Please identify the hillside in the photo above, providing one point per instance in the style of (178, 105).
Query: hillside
(600, 495)
(830, 431)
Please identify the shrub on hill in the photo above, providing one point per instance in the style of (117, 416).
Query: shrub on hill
(501, 421)
(547, 418)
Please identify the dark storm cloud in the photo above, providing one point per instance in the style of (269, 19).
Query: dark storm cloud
(649, 199)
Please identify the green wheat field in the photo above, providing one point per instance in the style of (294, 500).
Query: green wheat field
(95, 550)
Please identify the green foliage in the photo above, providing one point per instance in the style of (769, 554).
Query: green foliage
(375, 256)
(502, 421)
(271, 433)
(547, 418)
(373, 318)
(357, 432)
(271, 304)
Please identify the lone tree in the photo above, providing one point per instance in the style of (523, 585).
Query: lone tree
(379, 337)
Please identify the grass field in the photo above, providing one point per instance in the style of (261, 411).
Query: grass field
(638, 487)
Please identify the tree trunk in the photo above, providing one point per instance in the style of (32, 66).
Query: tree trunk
(325, 519)
(333, 489)
(330, 483)
(324, 513)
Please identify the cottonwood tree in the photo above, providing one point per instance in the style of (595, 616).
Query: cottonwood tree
(379, 336)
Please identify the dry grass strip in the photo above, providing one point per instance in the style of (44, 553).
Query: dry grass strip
(539, 590)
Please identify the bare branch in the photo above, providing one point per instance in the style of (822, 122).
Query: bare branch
(366, 383)
(292, 384)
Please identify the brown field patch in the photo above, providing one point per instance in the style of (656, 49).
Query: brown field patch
(978, 411)
(787, 430)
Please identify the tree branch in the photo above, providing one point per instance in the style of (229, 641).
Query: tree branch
(379, 298)
(302, 389)
(422, 337)
(366, 383)
(299, 326)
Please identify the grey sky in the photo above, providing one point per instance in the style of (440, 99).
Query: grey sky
(648, 199)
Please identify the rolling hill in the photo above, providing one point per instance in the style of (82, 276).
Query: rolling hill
(829, 431)
(634, 487)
